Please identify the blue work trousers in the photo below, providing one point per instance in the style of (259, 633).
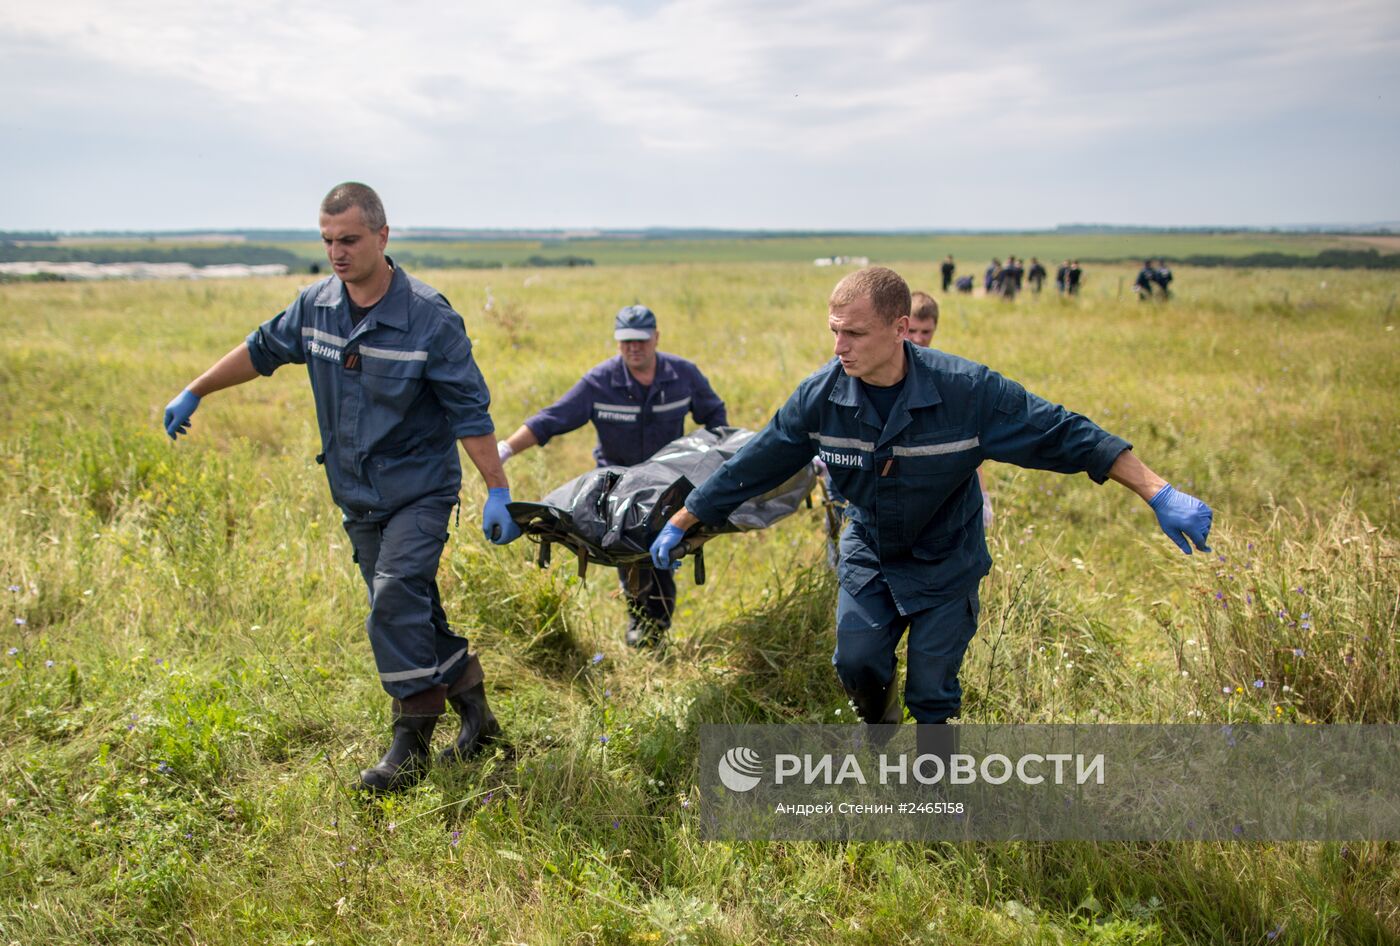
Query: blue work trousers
(868, 629)
(650, 594)
(414, 649)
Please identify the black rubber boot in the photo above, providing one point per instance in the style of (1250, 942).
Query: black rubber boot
(877, 707)
(479, 726)
(408, 758)
(644, 632)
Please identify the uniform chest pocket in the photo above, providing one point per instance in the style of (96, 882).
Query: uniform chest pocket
(939, 453)
(392, 378)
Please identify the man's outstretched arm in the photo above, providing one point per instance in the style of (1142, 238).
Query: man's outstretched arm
(234, 368)
(1180, 515)
(496, 522)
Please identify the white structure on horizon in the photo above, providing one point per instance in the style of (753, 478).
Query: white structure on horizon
(841, 261)
(141, 270)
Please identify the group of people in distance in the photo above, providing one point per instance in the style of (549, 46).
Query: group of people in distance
(1154, 277)
(1006, 280)
(902, 429)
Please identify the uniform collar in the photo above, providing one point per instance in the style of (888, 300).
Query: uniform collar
(920, 384)
(920, 390)
(623, 380)
(391, 310)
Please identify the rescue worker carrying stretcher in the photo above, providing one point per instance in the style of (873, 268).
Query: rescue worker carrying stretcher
(902, 430)
(637, 401)
(396, 388)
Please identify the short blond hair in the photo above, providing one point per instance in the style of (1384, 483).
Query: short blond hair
(886, 289)
(923, 308)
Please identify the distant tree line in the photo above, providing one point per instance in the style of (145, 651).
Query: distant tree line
(430, 261)
(194, 255)
(1327, 259)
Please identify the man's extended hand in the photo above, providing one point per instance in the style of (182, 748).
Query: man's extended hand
(664, 545)
(1182, 516)
(496, 522)
(178, 412)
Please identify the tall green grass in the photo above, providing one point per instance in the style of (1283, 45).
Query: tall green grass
(190, 693)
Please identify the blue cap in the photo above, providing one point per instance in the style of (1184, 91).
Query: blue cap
(634, 323)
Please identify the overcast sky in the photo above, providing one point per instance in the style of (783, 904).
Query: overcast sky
(139, 114)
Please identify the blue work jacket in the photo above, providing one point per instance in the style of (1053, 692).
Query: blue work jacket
(393, 394)
(632, 422)
(915, 505)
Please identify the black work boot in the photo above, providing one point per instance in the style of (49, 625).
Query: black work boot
(479, 726)
(879, 709)
(644, 632)
(408, 758)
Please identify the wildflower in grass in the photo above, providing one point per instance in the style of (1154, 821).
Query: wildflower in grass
(598, 657)
(20, 622)
(456, 838)
(189, 835)
(391, 826)
(1225, 690)
(1273, 933)
(616, 823)
(603, 740)
(1306, 622)
(1238, 829)
(607, 694)
(15, 588)
(1248, 598)
(1348, 659)
(49, 664)
(685, 802)
(1220, 596)
(12, 651)
(487, 798)
(1297, 652)
(159, 661)
(1258, 684)
(163, 768)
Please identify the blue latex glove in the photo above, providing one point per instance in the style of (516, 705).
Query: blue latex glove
(1182, 516)
(178, 412)
(664, 545)
(496, 522)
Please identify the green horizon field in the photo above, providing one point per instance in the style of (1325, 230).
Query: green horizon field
(186, 690)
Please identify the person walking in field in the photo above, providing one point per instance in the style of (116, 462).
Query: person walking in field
(947, 270)
(1073, 276)
(1162, 277)
(637, 401)
(1036, 275)
(1062, 278)
(923, 323)
(902, 430)
(396, 389)
(1146, 279)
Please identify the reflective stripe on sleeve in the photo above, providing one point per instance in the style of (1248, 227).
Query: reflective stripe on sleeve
(936, 449)
(843, 443)
(390, 354)
(321, 336)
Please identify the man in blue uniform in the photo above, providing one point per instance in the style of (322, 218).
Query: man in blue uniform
(396, 388)
(902, 430)
(637, 401)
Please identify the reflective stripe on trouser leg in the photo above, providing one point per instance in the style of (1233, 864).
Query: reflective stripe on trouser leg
(938, 639)
(868, 628)
(414, 649)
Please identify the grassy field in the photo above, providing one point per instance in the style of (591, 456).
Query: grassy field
(186, 691)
